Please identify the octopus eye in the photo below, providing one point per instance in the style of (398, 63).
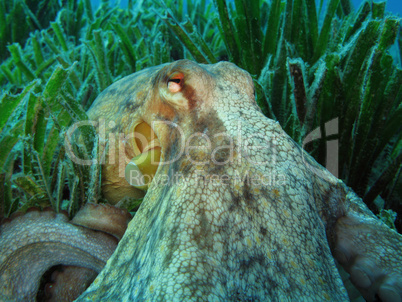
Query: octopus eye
(176, 82)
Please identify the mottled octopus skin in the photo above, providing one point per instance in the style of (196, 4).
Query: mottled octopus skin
(235, 240)
(34, 242)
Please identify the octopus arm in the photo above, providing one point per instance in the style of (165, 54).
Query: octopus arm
(35, 242)
(369, 251)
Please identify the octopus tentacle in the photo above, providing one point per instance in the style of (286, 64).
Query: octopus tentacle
(361, 248)
(35, 242)
(370, 269)
(103, 217)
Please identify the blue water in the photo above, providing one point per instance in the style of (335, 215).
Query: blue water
(393, 6)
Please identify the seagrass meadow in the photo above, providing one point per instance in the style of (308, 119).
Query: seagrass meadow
(311, 65)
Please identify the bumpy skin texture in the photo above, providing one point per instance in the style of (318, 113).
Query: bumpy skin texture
(33, 243)
(245, 216)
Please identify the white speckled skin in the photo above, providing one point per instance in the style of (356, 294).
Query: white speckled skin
(220, 234)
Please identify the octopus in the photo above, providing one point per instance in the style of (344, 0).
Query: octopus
(233, 209)
(45, 256)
